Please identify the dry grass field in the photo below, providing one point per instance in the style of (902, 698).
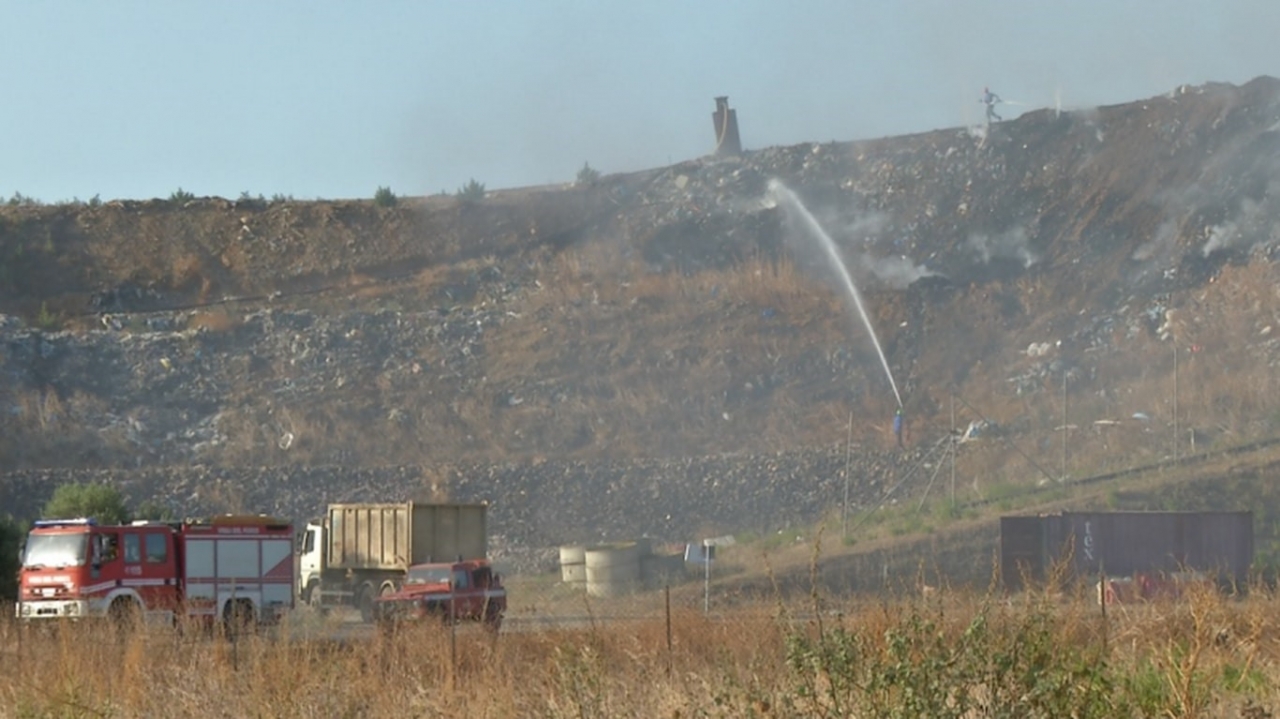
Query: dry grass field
(937, 655)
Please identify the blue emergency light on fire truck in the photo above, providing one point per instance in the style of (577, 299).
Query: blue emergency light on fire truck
(79, 521)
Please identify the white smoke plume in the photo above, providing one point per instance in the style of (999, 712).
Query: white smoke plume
(1012, 244)
(1221, 237)
(866, 231)
(1243, 229)
(897, 272)
(1162, 246)
(866, 227)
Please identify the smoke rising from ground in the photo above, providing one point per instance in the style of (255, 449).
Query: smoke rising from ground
(1009, 245)
(1161, 247)
(897, 272)
(1246, 228)
(867, 229)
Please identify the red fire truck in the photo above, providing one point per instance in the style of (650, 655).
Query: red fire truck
(235, 568)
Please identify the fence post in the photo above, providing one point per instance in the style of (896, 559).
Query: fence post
(706, 579)
(1102, 599)
(453, 635)
(667, 592)
(233, 625)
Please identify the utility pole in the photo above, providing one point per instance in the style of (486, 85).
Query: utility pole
(953, 450)
(1065, 427)
(706, 577)
(1175, 403)
(844, 513)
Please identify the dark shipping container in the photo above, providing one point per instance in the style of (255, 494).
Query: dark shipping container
(1119, 544)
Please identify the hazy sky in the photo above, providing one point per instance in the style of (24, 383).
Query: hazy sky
(334, 99)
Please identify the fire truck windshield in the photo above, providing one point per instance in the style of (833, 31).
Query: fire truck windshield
(55, 550)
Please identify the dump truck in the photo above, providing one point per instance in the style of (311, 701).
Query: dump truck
(358, 552)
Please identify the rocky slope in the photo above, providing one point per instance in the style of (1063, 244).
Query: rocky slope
(594, 358)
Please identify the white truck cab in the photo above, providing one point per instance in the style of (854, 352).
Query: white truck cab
(311, 563)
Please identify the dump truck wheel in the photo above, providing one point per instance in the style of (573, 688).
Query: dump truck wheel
(387, 622)
(364, 601)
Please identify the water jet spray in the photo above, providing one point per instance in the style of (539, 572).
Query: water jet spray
(793, 203)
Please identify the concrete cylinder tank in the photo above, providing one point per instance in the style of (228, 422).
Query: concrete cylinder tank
(573, 565)
(613, 570)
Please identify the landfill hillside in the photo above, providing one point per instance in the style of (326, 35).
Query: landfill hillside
(665, 352)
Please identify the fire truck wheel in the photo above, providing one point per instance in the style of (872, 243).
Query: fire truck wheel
(238, 618)
(124, 613)
(364, 601)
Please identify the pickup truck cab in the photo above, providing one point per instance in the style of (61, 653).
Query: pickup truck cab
(448, 592)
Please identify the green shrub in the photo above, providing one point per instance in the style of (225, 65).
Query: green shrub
(1009, 665)
(588, 175)
(472, 191)
(153, 510)
(23, 200)
(251, 202)
(181, 196)
(47, 319)
(95, 201)
(11, 533)
(384, 197)
(100, 501)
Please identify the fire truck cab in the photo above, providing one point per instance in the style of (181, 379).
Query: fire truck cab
(229, 567)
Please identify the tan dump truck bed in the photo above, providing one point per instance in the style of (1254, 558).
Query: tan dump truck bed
(396, 535)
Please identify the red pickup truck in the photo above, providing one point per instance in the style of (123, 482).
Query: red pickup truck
(448, 592)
